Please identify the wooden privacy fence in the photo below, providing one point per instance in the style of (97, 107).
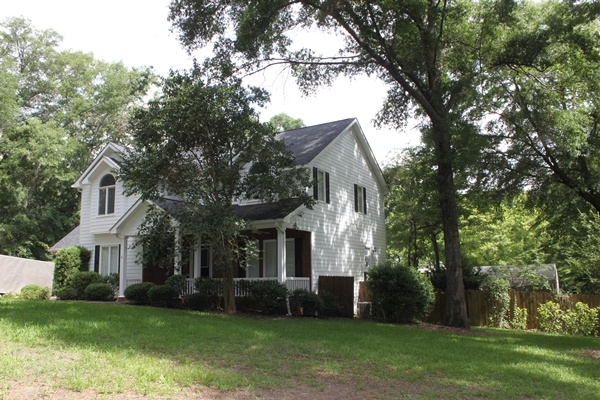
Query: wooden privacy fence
(342, 287)
(479, 314)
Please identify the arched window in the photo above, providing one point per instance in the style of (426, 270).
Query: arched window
(106, 196)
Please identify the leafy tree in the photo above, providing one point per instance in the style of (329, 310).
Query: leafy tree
(432, 55)
(413, 219)
(57, 108)
(195, 144)
(547, 88)
(283, 122)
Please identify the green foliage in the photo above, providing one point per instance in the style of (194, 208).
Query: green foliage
(550, 317)
(179, 282)
(195, 142)
(34, 292)
(400, 293)
(66, 263)
(163, 296)
(113, 281)
(303, 302)
(82, 279)
(202, 301)
(268, 297)
(66, 293)
(138, 292)
(57, 108)
(519, 319)
(497, 298)
(99, 292)
(283, 122)
(330, 307)
(209, 286)
(582, 320)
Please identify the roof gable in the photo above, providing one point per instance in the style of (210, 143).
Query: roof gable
(308, 142)
(106, 155)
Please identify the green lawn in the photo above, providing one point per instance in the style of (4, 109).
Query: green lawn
(110, 350)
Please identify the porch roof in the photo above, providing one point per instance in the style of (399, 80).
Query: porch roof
(250, 212)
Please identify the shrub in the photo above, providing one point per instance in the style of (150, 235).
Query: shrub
(138, 292)
(400, 293)
(331, 306)
(209, 286)
(550, 317)
(99, 292)
(582, 320)
(179, 282)
(163, 296)
(304, 302)
(35, 292)
(66, 293)
(267, 297)
(113, 281)
(81, 280)
(201, 302)
(519, 319)
(67, 262)
(496, 297)
(9, 295)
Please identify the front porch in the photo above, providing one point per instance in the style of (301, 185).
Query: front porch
(291, 284)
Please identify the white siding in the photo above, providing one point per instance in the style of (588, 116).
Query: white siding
(94, 228)
(342, 237)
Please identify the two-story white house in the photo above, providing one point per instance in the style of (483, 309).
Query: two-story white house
(342, 235)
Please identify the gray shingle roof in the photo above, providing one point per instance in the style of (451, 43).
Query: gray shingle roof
(305, 143)
(71, 239)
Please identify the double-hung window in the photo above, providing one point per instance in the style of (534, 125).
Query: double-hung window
(106, 259)
(320, 185)
(106, 195)
(360, 199)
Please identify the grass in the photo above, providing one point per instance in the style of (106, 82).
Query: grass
(112, 349)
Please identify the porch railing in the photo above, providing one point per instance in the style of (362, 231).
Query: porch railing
(291, 284)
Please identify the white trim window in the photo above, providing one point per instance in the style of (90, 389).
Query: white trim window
(360, 199)
(321, 185)
(106, 195)
(109, 260)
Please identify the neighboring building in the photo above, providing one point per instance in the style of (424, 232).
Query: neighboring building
(343, 235)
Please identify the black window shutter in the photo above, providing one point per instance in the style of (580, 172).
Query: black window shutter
(365, 200)
(327, 188)
(355, 197)
(119, 261)
(315, 184)
(97, 259)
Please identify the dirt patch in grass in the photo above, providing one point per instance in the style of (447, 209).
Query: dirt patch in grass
(328, 388)
(592, 353)
(455, 331)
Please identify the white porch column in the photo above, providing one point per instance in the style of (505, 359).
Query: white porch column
(123, 270)
(281, 253)
(177, 268)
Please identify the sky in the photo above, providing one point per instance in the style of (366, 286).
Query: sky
(137, 33)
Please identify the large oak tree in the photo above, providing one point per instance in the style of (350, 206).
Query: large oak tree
(428, 52)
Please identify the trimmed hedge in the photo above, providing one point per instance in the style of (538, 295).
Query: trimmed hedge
(81, 280)
(400, 293)
(163, 296)
(66, 293)
(138, 292)
(99, 292)
(202, 302)
(35, 292)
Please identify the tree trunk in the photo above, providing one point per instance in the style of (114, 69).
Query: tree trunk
(456, 308)
(436, 250)
(228, 290)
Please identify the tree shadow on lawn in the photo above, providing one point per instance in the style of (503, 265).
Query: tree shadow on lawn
(267, 353)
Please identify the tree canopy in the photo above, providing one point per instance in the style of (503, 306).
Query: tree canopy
(200, 148)
(57, 108)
